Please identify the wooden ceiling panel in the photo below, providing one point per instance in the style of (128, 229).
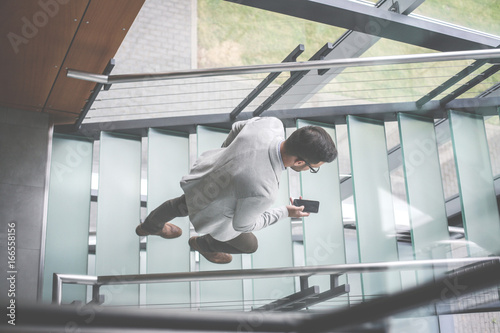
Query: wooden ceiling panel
(101, 33)
(45, 37)
(38, 35)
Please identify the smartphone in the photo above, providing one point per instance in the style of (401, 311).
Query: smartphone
(310, 206)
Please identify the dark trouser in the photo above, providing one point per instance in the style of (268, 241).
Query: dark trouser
(164, 213)
(244, 243)
(167, 211)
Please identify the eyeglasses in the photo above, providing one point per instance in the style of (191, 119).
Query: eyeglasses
(311, 169)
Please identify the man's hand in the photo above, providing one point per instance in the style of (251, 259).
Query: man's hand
(294, 211)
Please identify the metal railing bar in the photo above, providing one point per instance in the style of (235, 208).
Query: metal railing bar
(423, 67)
(365, 98)
(383, 80)
(234, 98)
(352, 71)
(174, 94)
(135, 106)
(282, 67)
(118, 319)
(172, 112)
(59, 279)
(442, 290)
(170, 103)
(483, 106)
(295, 94)
(191, 82)
(285, 271)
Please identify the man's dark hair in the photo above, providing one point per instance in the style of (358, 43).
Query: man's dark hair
(311, 143)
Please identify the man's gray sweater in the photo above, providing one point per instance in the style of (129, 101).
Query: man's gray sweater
(230, 190)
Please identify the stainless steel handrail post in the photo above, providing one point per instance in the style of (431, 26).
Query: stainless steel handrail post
(56, 289)
(60, 279)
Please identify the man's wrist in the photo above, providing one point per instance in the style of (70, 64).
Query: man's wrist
(286, 211)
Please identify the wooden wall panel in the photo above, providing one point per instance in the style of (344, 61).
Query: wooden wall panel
(36, 36)
(101, 33)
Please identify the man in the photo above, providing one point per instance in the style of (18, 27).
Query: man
(229, 191)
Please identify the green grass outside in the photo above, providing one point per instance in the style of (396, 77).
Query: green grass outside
(232, 35)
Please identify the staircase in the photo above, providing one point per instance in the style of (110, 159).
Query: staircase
(321, 239)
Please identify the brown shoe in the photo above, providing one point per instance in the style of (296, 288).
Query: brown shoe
(169, 231)
(215, 257)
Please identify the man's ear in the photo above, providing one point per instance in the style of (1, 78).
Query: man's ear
(299, 162)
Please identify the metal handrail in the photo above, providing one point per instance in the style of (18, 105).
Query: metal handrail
(289, 66)
(92, 318)
(59, 279)
(97, 281)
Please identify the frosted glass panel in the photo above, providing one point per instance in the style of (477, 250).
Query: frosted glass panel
(275, 250)
(324, 232)
(427, 212)
(477, 194)
(67, 237)
(118, 213)
(373, 202)
(168, 161)
(221, 294)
